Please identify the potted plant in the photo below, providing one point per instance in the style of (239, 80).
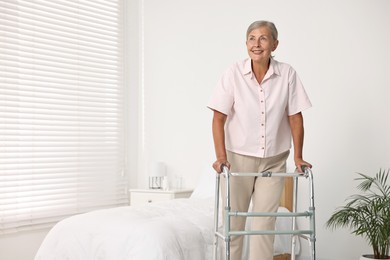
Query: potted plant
(368, 214)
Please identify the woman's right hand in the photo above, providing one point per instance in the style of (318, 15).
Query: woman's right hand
(217, 165)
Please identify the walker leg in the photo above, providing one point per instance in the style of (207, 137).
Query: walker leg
(293, 219)
(312, 217)
(216, 217)
(227, 248)
(227, 217)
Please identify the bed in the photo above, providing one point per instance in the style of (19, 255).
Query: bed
(180, 229)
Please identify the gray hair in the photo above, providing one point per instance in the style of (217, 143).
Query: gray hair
(257, 24)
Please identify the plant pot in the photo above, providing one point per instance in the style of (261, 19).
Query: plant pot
(370, 257)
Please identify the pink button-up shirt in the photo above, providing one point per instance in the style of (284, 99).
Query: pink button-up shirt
(257, 114)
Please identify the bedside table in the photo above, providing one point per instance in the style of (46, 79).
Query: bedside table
(144, 196)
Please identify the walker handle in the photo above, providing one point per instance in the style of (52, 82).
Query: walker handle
(224, 169)
(304, 168)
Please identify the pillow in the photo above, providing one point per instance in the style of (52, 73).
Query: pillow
(206, 184)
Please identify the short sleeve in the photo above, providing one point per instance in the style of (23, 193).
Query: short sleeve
(298, 100)
(222, 99)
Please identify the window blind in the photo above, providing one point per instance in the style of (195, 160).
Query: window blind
(61, 110)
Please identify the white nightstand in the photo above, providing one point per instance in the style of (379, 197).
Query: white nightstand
(144, 196)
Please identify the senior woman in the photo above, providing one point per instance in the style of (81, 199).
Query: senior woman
(257, 108)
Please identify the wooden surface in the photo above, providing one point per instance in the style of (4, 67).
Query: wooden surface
(287, 196)
(282, 257)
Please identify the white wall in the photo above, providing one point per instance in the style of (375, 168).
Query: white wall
(22, 245)
(340, 50)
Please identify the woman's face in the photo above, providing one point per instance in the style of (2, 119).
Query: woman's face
(261, 44)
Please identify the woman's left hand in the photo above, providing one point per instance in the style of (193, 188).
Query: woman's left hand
(300, 162)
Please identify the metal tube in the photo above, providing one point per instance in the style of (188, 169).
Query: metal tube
(269, 174)
(293, 224)
(218, 234)
(226, 211)
(269, 214)
(216, 216)
(312, 216)
(271, 232)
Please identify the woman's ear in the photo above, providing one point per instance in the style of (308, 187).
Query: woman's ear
(276, 43)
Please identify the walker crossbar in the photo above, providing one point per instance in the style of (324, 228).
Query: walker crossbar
(270, 214)
(309, 234)
(271, 232)
(267, 174)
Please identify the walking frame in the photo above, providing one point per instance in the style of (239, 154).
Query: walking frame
(308, 235)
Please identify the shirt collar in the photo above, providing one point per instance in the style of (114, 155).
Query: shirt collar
(273, 68)
(247, 66)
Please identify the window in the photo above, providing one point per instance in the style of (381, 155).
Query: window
(61, 110)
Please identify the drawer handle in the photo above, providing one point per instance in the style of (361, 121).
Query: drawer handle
(149, 201)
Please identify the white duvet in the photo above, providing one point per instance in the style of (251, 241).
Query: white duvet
(172, 230)
(180, 229)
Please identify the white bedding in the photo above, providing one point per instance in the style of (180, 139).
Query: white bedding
(180, 229)
(175, 230)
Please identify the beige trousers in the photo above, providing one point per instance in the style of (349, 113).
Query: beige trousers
(265, 193)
